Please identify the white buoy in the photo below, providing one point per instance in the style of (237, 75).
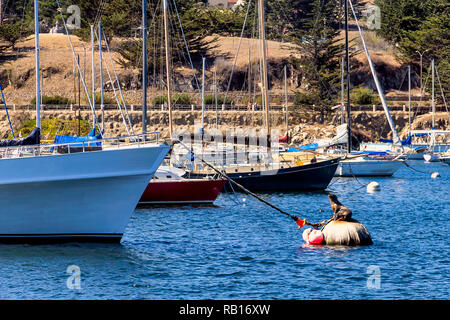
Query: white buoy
(435, 175)
(373, 187)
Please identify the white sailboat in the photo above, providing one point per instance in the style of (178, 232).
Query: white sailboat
(47, 196)
(367, 165)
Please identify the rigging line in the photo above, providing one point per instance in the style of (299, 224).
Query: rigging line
(404, 77)
(117, 99)
(180, 52)
(187, 47)
(112, 84)
(100, 11)
(7, 113)
(443, 95)
(79, 70)
(237, 51)
(315, 225)
(117, 80)
(421, 94)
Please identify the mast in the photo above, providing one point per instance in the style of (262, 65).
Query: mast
(79, 98)
(286, 99)
(203, 95)
(93, 76)
(215, 93)
(264, 66)
(342, 90)
(433, 107)
(347, 60)
(144, 66)
(38, 81)
(395, 138)
(409, 99)
(101, 74)
(166, 38)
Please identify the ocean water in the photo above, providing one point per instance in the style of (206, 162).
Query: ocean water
(241, 249)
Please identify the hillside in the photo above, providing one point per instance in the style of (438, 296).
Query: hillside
(17, 68)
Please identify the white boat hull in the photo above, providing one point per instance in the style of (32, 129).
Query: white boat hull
(411, 152)
(72, 197)
(350, 168)
(430, 157)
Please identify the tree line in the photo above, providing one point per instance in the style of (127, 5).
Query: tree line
(314, 25)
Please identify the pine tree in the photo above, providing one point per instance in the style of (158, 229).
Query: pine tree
(321, 51)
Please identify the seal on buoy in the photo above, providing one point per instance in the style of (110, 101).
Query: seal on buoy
(342, 229)
(341, 212)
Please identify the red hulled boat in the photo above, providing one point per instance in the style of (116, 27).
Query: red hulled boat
(169, 187)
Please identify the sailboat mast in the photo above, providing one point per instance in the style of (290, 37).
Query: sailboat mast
(203, 95)
(347, 60)
(264, 65)
(166, 38)
(342, 90)
(93, 75)
(144, 66)
(409, 99)
(395, 138)
(286, 99)
(432, 94)
(215, 94)
(38, 75)
(101, 74)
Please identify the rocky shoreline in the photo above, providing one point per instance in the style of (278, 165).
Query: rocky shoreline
(304, 127)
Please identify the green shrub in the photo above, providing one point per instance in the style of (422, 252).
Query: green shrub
(363, 96)
(159, 100)
(182, 98)
(106, 99)
(53, 126)
(211, 100)
(52, 100)
(177, 98)
(246, 100)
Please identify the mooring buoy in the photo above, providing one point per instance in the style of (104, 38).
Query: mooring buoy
(435, 175)
(373, 187)
(347, 233)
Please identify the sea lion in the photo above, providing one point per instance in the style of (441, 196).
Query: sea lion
(341, 212)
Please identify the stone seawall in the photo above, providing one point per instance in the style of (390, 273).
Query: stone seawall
(303, 126)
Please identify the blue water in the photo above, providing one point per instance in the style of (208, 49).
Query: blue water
(245, 250)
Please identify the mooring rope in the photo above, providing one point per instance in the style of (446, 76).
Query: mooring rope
(293, 217)
(414, 169)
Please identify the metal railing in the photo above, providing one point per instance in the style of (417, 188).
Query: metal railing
(49, 149)
(194, 107)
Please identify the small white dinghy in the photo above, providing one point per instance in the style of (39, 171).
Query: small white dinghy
(368, 167)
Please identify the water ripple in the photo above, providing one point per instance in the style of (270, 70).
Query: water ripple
(252, 252)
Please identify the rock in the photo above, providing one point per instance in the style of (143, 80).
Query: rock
(347, 233)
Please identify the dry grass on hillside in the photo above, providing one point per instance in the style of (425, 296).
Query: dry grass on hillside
(57, 64)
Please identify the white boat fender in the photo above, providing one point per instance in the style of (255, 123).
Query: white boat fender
(435, 175)
(373, 187)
